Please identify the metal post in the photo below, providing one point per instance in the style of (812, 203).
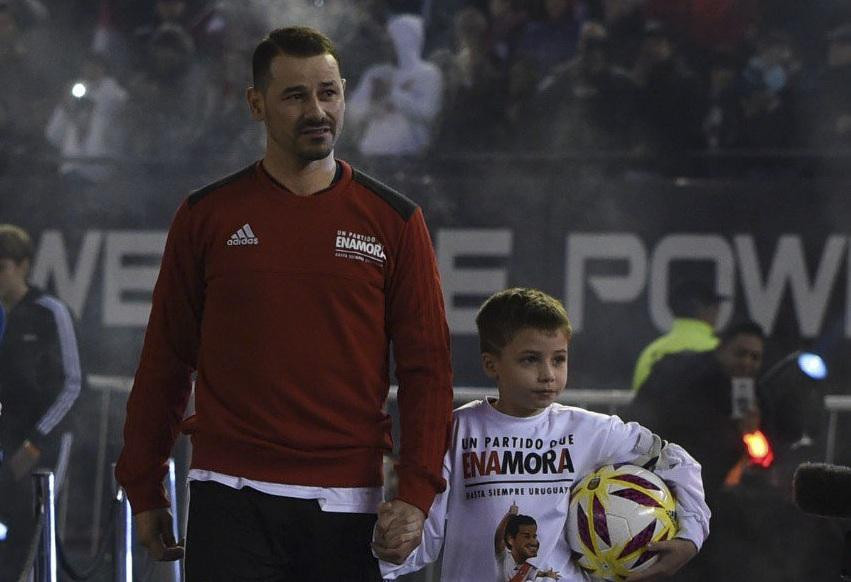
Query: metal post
(172, 494)
(44, 566)
(123, 543)
(100, 465)
(831, 436)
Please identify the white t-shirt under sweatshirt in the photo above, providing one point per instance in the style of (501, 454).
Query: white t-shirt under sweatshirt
(495, 461)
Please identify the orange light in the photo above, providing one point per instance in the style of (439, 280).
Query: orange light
(759, 449)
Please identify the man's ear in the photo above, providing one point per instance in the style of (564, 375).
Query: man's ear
(255, 103)
(489, 365)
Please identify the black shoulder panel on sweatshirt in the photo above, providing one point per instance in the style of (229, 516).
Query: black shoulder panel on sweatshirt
(196, 196)
(400, 203)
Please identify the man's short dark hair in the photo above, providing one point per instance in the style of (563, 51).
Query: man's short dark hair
(507, 312)
(512, 526)
(743, 328)
(689, 296)
(15, 243)
(297, 41)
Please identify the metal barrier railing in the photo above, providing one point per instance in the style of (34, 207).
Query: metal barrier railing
(608, 400)
(46, 554)
(44, 567)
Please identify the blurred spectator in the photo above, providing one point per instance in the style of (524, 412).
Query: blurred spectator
(670, 104)
(766, 95)
(165, 108)
(23, 108)
(831, 101)
(624, 21)
(475, 92)
(589, 101)
(394, 107)
(715, 25)
(552, 39)
(695, 306)
(507, 20)
(364, 39)
(87, 123)
(721, 124)
(227, 138)
(40, 380)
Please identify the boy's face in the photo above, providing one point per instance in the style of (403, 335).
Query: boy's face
(530, 372)
(525, 544)
(13, 276)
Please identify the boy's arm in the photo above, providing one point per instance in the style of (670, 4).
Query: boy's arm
(632, 443)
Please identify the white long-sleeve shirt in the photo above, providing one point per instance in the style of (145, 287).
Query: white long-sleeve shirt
(495, 461)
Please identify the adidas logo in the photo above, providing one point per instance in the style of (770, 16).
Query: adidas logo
(243, 236)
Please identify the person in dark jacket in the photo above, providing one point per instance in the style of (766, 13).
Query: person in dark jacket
(687, 399)
(40, 380)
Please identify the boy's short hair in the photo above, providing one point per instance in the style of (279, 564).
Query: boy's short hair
(505, 313)
(15, 243)
(512, 526)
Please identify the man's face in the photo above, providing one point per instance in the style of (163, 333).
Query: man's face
(741, 356)
(525, 544)
(12, 276)
(530, 371)
(302, 106)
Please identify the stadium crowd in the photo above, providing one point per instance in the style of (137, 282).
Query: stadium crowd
(165, 79)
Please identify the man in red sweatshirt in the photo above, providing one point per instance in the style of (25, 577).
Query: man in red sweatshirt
(281, 288)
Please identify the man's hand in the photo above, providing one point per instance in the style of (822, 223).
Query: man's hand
(750, 421)
(673, 555)
(24, 459)
(398, 530)
(154, 528)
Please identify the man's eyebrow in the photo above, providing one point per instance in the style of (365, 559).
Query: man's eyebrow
(293, 89)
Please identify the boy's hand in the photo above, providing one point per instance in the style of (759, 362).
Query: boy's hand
(24, 460)
(398, 531)
(673, 555)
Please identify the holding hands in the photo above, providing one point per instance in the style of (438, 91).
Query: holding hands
(398, 530)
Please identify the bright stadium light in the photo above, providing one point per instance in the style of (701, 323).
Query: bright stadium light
(3, 531)
(78, 90)
(812, 365)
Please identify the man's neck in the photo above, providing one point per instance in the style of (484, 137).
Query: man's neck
(302, 179)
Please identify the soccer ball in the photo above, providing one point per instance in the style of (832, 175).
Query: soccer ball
(614, 513)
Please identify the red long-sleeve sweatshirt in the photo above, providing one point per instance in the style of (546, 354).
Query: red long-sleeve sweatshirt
(286, 307)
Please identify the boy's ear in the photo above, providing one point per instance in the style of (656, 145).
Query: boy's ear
(489, 365)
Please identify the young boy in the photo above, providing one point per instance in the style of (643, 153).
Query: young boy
(523, 449)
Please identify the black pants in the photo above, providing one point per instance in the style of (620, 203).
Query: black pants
(237, 535)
